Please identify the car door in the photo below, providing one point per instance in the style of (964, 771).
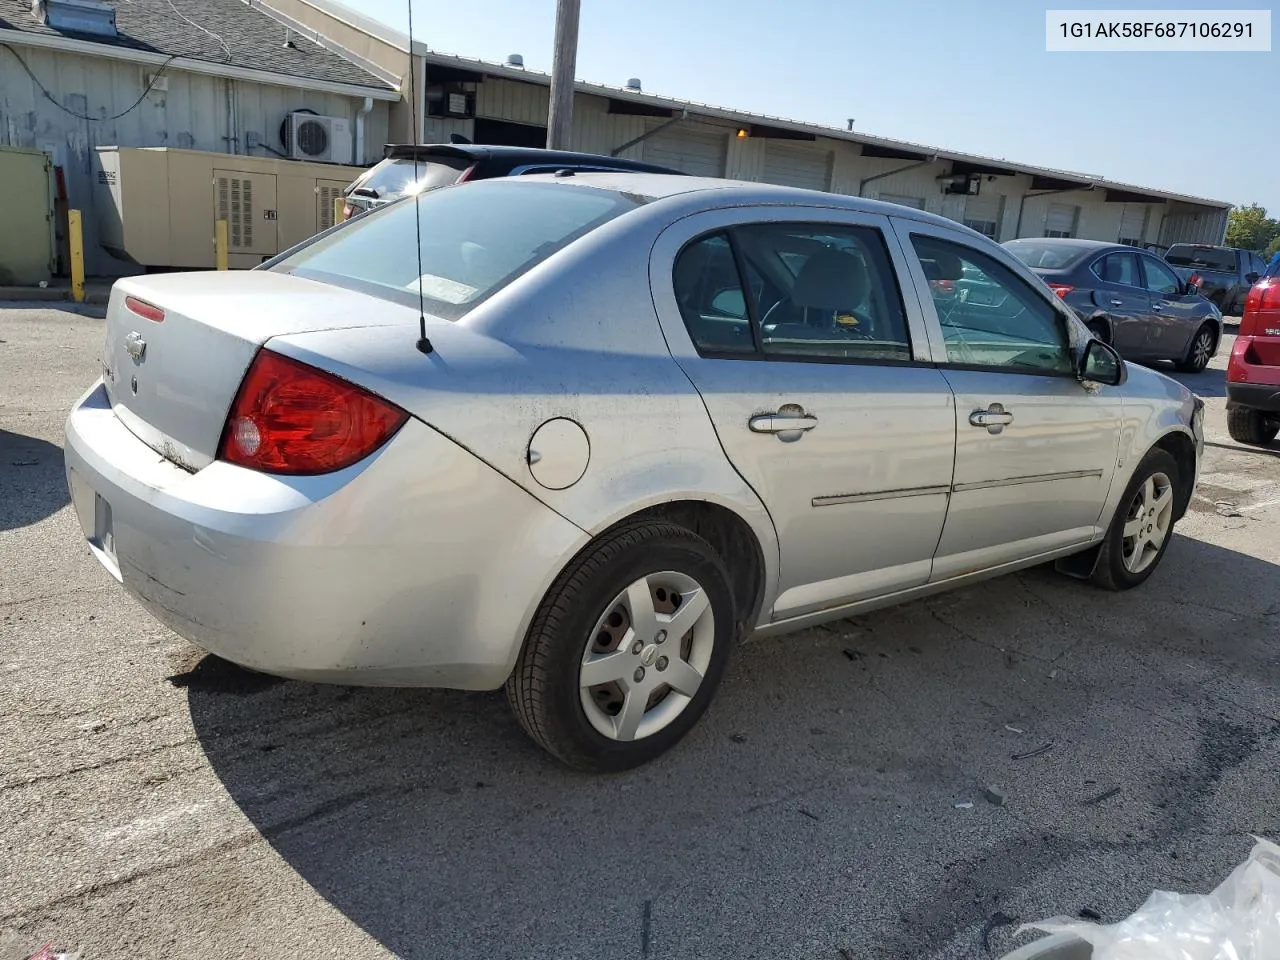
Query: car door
(1122, 296)
(815, 370)
(1035, 448)
(1175, 315)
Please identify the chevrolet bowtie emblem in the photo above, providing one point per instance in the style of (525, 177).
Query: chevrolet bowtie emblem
(135, 346)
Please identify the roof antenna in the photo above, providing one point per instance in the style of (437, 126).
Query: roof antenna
(423, 344)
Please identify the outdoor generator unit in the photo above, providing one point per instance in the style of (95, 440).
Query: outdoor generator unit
(157, 206)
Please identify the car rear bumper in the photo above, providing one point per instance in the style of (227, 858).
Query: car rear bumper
(420, 566)
(1255, 396)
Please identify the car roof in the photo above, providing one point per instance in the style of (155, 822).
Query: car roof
(727, 193)
(1077, 243)
(480, 151)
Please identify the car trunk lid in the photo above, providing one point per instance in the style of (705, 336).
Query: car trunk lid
(177, 346)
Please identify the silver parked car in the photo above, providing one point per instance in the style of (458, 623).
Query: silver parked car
(650, 417)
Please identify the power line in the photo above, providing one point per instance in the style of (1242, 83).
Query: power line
(81, 116)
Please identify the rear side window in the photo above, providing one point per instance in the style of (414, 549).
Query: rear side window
(1206, 258)
(476, 239)
(1119, 268)
(810, 292)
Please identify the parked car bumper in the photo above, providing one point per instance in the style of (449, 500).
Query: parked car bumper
(1255, 396)
(313, 577)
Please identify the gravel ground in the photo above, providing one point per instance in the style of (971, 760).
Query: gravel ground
(158, 803)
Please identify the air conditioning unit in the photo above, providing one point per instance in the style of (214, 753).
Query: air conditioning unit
(322, 139)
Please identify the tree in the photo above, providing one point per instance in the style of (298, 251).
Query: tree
(1272, 250)
(1249, 227)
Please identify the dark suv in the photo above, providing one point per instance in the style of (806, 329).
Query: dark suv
(440, 164)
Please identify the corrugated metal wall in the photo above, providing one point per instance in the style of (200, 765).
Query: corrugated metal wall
(191, 114)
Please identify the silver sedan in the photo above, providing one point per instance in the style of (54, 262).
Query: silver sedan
(594, 430)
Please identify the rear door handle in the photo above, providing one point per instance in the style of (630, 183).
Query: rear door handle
(1117, 303)
(995, 418)
(781, 423)
(1157, 307)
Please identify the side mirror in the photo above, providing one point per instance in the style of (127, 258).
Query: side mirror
(1251, 277)
(1101, 364)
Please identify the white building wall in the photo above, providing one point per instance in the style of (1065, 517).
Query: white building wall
(596, 130)
(517, 102)
(191, 114)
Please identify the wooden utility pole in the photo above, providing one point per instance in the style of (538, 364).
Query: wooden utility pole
(560, 116)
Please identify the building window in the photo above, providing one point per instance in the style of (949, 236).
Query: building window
(988, 228)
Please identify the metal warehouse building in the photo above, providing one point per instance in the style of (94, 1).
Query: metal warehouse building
(225, 76)
(504, 103)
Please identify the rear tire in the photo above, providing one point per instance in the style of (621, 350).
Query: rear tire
(595, 623)
(1130, 553)
(1250, 426)
(1200, 350)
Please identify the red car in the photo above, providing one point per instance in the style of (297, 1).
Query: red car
(1253, 372)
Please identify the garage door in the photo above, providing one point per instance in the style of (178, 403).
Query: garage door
(1061, 220)
(1133, 224)
(699, 152)
(983, 214)
(793, 165)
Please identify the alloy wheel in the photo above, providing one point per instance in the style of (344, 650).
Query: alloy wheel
(1147, 522)
(647, 656)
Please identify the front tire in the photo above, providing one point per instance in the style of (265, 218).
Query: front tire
(1142, 526)
(1199, 352)
(1251, 426)
(627, 648)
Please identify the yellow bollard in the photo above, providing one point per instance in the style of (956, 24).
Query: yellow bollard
(338, 204)
(75, 239)
(220, 245)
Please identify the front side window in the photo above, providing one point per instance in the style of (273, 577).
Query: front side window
(810, 292)
(823, 291)
(476, 239)
(1160, 279)
(1121, 268)
(989, 316)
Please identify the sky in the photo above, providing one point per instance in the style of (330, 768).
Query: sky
(972, 77)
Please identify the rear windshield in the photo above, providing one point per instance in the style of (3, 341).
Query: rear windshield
(1045, 254)
(1206, 258)
(476, 238)
(391, 178)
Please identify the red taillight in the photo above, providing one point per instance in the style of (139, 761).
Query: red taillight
(292, 418)
(1195, 280)
(144, 309)
(347, 211)
(1061, 289)
(466, 174)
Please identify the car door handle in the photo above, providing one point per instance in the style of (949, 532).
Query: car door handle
(1117, 303)
(995, 418)
(1157, 307)
(781, 423)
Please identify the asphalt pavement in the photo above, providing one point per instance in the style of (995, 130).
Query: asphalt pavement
(158, 803)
